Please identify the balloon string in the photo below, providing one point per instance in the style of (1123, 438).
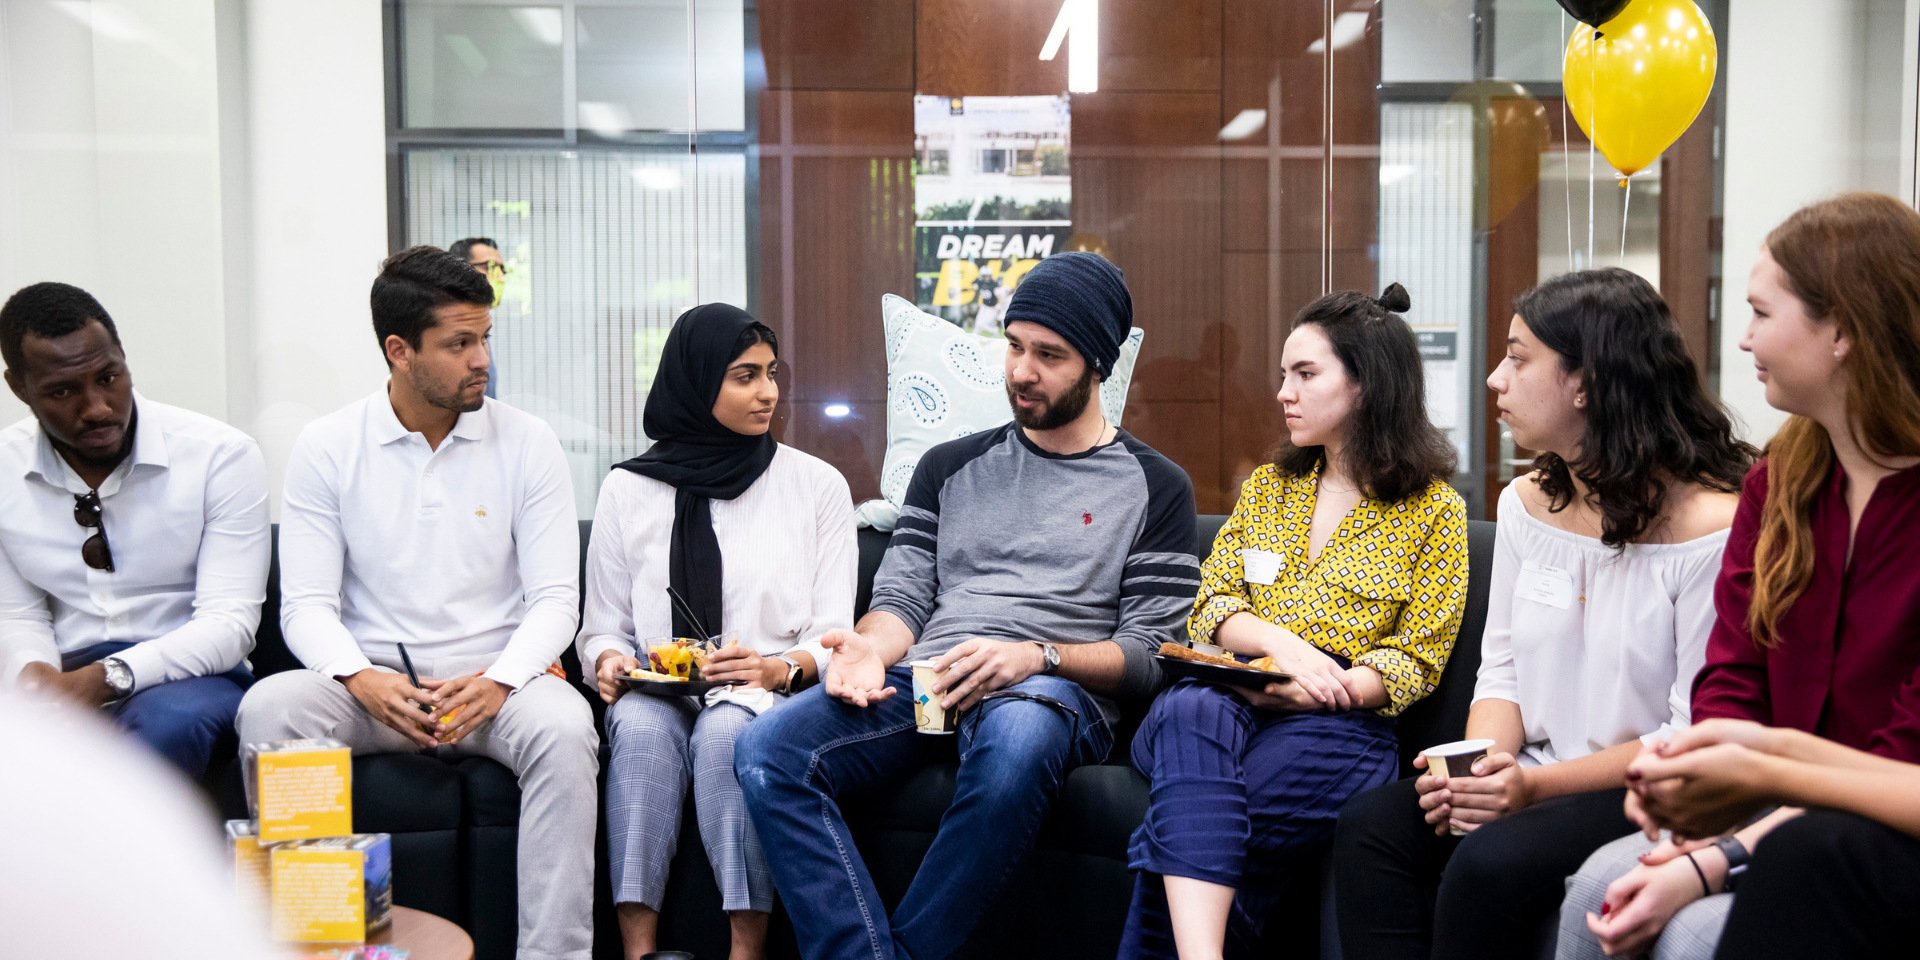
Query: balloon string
(1566, 150)
(1593, 133)
(1624, 208)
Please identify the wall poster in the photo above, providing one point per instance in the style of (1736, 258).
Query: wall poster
(991, 196)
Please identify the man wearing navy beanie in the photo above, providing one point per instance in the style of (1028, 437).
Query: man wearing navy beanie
(1038, 567)
(1082, 297)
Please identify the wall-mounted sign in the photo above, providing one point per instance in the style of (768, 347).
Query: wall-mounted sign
(991, 193)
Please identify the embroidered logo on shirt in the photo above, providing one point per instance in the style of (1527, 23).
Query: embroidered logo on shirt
(481, 512)
(1086, 519)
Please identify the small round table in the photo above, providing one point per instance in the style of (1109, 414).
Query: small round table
(423, 935)
(426, 937)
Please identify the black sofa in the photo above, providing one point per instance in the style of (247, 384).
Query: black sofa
(454, 825)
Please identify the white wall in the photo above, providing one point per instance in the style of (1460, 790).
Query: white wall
(318, 150)
(1818, 102)
(110, 179)
(214, 172)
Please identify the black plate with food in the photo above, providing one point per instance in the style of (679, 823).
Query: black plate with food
(1248, 677)
(676, 688)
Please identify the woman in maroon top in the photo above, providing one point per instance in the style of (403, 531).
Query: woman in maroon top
(1818, 599)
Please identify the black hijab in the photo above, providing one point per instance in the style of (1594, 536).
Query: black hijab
(695, 454)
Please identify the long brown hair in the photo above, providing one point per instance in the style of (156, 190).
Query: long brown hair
(1853, 260)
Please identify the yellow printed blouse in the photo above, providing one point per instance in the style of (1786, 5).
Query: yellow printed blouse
(1388, 590)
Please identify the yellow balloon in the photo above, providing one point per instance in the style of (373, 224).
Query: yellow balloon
(1636, 82)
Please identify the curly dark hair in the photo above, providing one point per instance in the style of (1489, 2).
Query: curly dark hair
(1392, 450)
(1650, 419)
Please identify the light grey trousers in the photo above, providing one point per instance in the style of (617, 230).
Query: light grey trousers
(544, 734)
(1692, 934)
(659, 744)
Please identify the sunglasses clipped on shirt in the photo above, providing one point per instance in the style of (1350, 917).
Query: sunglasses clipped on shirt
(86, 512)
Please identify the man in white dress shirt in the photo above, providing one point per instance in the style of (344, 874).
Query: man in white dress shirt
(430, 515)
(133, 536)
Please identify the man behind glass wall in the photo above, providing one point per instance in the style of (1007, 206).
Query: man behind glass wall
(484, 255)
(133, 536)
(429, 515)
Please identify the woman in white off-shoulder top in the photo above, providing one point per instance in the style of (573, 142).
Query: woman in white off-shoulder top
(1597, 620)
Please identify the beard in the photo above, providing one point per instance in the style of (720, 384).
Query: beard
(440, 394)
(1054, 412)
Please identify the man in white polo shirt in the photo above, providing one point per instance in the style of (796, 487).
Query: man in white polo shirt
(430, 515)
(133, 536)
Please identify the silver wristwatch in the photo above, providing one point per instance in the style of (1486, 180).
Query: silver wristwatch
(793, 672)
(1052, 655)
(119, 676)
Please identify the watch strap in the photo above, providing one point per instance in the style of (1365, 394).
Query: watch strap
(1738, 857)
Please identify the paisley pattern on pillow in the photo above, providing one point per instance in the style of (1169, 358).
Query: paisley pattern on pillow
(968, 362)
(919, 396)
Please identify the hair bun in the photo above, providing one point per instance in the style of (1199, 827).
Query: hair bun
(1394, 299)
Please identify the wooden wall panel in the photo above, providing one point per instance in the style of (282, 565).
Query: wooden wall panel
(1146, 180)
(1188, 433)
(1686, 224)
(1159, 45)
(1250, 420)
(986, 48)
(836, 218)
(841, 45)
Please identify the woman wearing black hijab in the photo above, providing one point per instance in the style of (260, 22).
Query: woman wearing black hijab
(759, 538)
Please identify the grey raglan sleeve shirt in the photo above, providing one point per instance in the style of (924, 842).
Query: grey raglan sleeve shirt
(1161, 576)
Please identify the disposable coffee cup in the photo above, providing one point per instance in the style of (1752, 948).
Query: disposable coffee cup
(928, 715)
(1456, 759)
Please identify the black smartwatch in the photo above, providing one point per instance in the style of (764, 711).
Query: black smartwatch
(1052, 655)
(1737, 858)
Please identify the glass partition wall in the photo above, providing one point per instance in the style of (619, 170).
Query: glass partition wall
(1236, 158)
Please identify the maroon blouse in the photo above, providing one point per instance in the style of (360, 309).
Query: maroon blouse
(1845, 664)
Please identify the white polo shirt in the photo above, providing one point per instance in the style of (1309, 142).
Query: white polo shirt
(468, 554)
(186, 516)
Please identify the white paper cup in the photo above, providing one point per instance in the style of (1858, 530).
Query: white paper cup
(1456, 759)
(928, 715)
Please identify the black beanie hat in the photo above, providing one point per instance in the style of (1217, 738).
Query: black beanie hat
(1082, 297)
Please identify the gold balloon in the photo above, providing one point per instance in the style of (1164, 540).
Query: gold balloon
(1636, 82)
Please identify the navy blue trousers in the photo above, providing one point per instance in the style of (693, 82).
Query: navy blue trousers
(1238, 795)
(182, 721)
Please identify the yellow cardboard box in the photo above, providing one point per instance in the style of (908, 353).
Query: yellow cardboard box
(300, 789)
(251, 866)
(333, 890)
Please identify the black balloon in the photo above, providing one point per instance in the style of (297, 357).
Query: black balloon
(1594, 12)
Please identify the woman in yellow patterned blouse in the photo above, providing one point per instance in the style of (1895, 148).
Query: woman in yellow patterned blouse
(1346, 562)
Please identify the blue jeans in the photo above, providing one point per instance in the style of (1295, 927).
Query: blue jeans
(1238, 796)
(799, 760)
(183, 720)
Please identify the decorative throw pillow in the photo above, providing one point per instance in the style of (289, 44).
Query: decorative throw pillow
(944, 383)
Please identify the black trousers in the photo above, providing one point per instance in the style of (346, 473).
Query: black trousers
(1403, 893)
(1828, 884)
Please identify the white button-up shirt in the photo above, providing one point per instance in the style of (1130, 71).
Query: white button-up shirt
(186, 516)
(468, 554)
(790, 561)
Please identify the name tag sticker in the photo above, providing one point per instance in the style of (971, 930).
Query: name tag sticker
(1260, 566)
(1543, 584)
